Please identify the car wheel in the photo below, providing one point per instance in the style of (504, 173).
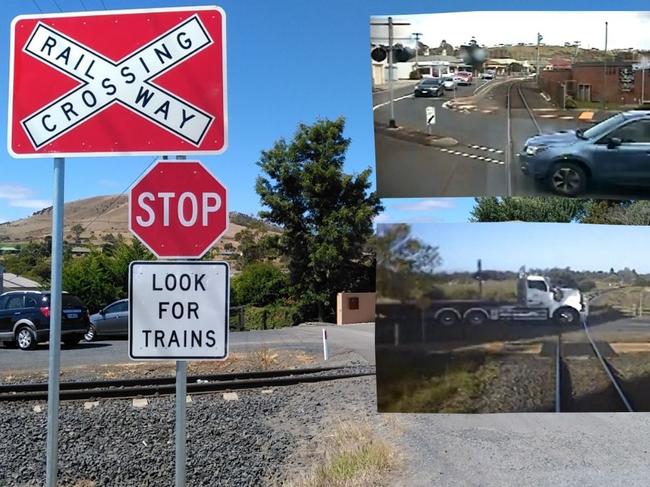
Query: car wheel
(448, 318)
(568, 179)
(566, 316)
(71, 340)
(91, 334)
(25, 339)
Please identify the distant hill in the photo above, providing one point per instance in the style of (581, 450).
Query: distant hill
(99, 216)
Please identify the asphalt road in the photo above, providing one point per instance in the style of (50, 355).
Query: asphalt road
(349, 342)
(490, 132)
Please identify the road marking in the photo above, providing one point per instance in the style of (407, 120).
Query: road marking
(388, 102)
(472, 156)
(482, 147)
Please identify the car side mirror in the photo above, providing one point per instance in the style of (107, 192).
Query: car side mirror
(613, 142)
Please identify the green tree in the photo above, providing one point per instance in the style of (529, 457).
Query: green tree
(257, 245)
(77, 230)
(259, 284)
(403, 263)
(326, 214)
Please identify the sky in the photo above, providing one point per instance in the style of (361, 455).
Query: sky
(508, 246)
(288, 61)
(625, 29)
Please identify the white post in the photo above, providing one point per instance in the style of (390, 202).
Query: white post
(325, 350)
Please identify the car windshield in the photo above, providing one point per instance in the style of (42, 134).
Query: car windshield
(430, 81)
(603, 127)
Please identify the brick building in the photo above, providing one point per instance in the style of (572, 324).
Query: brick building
(616, 82)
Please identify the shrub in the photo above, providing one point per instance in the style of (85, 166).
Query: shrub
(258, 284)
(267, 317)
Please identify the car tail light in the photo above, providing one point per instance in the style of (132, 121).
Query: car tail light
(45, 311)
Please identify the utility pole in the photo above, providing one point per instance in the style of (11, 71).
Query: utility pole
(539, 39)
(417, 46)
(605, 71)
(390, 24)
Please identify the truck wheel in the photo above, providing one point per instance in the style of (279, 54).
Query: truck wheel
(566, 316)
(25, 339)
(448, 318)
(475, 318)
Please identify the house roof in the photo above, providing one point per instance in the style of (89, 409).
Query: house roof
(13, 282)
(439, 57)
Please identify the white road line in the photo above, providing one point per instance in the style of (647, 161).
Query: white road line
(473, 156)
(388, 102)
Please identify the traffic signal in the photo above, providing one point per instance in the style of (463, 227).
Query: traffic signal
(401, 54)
(378, 54)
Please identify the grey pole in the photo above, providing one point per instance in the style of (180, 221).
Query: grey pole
(55, 324)
(181, 414)
(391, 122)
(181, 409)
(642, 86)
(537, 69)
(605, 71)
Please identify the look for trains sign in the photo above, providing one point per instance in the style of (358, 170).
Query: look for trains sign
(118, 82)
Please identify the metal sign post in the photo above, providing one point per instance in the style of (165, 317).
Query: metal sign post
(181, 420)
(55, 324)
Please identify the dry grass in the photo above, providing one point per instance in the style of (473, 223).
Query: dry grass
(263, 359)
(353, 456)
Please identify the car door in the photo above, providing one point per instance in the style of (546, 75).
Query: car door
(629, 162)
(114, 318)
(12, 310)
(537, 294)
(5, 316)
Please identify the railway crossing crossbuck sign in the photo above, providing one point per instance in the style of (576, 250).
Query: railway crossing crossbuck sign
(80, 86)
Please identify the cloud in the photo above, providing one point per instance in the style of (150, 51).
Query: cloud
(14, 192)
(383, 218)
(29, 203)
(19, 196)
(426, 205)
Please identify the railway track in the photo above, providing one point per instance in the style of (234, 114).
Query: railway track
(128, 388)
(615, 396)
(515, 102)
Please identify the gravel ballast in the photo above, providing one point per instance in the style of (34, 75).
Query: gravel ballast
(257, 439)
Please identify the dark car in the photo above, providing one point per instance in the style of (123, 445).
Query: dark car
(429, 87)
(25, 318)
(113, 320)
(615, 151)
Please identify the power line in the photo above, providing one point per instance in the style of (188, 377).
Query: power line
(37, 6)
(57, 5)
(110, 205)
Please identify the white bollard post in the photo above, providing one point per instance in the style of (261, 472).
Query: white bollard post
(325, 351)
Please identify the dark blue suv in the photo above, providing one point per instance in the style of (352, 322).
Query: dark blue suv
(614, 151)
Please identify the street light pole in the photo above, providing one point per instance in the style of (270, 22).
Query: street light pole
(391, 122)
(417, 45)
(539, 38)
(605, 71)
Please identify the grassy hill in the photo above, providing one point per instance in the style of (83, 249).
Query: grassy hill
(99, 216)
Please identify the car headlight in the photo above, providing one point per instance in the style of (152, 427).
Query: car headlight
(531, 150)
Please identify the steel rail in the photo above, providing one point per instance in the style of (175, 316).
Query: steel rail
(170, 388)
(528, 109)
(608, 370)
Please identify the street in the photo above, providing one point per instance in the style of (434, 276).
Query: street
(349, 342)
(490, 122)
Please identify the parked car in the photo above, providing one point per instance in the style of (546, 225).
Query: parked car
(488, 74)
(429, 87)
(25, 318)
(113, 320)
(463, 78)
(616, 150)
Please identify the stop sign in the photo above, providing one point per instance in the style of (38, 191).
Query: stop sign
(178, 209)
